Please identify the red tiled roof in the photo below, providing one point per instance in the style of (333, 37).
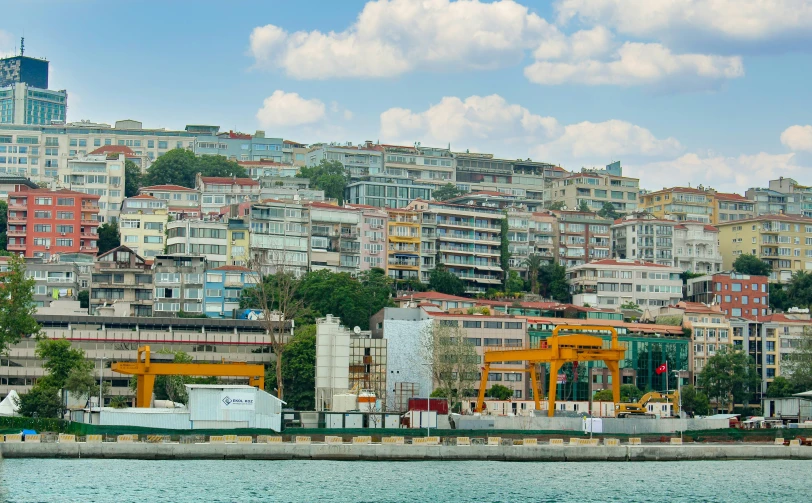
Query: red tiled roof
(232, 268)
(632, 327)
(767, 218)
(23, 193)
(141, 196)
(167, 187)
(327, 206)
(781, 318)
(630, 263)
(689, 190)
(499, 316)
(224, 180)
(114, 149)
(731, 197)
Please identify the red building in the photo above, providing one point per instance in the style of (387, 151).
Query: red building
(42, 222)
(739, 295)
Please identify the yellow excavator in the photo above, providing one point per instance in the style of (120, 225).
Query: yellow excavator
(640, 409)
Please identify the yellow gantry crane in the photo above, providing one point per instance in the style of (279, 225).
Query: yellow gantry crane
(145, 370)
(558, 350)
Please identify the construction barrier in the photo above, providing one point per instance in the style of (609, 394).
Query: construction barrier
(494, 440)
(575, 441)
(393, 440)
(426, 441)
(635, 441)
(463, 441)
(330, 439)
(245, 440)
(33, 438)
(589, 441)
(217, 439)
(779, 441)
(66, 439)
(530, 441)
(157, 439)
(127, 439)
(14, 438)
(362, 440)
(230, 439)
(676, 441)
(94, 439)
(2, 438)
(302, 440)
(792, 443)
(273, 440)
(556, 441)
(612, 442)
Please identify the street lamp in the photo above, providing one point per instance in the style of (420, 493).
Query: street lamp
(101, 381)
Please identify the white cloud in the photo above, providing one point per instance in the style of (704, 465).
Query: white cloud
(591, 57)
(491, 124)
(347, 115)
(739, 20)
(6, 44)
(391, 37)
(798, 138)
(289, 109)
(730, 174)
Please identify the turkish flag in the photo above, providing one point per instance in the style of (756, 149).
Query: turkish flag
(662, 368)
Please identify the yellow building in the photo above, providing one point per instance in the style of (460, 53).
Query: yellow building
(403, 244)
(700, 204)
(783, 241)
(237, 239)
(142, 225)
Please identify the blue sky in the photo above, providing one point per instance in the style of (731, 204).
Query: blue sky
(714, 92)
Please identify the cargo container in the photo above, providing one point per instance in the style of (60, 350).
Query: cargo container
(438, 405)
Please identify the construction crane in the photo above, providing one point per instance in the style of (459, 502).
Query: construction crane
(146, 370)
(640, 408)
(558, 350)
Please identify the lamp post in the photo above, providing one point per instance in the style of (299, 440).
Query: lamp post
(101, 382)
(679, 397)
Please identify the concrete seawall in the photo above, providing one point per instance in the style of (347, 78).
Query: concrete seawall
(378, 452)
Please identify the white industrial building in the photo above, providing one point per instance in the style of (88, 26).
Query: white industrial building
(210, 406)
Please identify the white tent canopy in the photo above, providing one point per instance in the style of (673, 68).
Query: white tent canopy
(8, 407)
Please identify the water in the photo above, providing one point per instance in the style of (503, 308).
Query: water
(92, 480)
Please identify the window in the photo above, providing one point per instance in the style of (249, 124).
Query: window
(131, 239)
(513, 325)
(163, 144)
(194, 293)
(471, 324)
(493, 342)
(449, 323)
(153, 239)
(493, 324)
(736, 287)
(474, 341)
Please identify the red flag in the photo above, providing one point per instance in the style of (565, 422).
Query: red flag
(662, 368)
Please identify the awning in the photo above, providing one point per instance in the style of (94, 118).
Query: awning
(488, 267)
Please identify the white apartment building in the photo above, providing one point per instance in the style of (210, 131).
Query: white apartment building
(142, 225)
(595, 188)
(179, 284)
(334, 238)
(208, 238)
(424, 164)
(100, 175)
(609, 283)
(219, 191)
(42, 152)
(182, 202)
(280, 235)
(696, 247)
(360, 160)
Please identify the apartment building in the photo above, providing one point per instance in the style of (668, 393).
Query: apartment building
(238, 241)
(543, 235)
(289, 189)
(702, 204)
(783, 241)
(710, 332)
(520, 244)
(530, 181)
(609, 283)
(268, 169)
(53, 280)
(467, 240)
(759, 338)
(791, 327)
(200, 237)
(280, 235)
(386, 191)
(41, 152)
(219, 191)
(101, 175)
(224, 285)
(797, 194)
(428, 165)
(690, 245)
(334, 238)
(596, 188)
(358, 161)
(582, 237)
(142, 225)
(44, 222)
(121, 276)
(403, 245)
(737, 295)
(239, 146)
(372, 236)
(294, 153)
(117, 339)
(181, 202)
(14, 183)
(729, 207)
(179, 284)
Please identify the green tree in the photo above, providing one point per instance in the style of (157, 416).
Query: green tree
(329, 176)
(504, 250)
(443, 281)
(799, 364)
(446, 192)
(694, 402)
(514, 282)
(180, 167)
(555, 205)
(629, 305)
(630, 393)
(60, 358)
(779, 300)
(553, 282)
(780, 387)
(609, 211)
(132, 178)
(604, 395)
(533, 263)
(499, 392)
(3, 224)
(84, 299)
(41, 401)
(17, 307)
(298, 370)
(750, 264)
(799, 290)
(109, 237)
(82, 383)
(730, 377)
(583, 207)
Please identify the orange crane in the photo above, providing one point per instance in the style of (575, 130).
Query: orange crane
(145, 370)
(558, 350)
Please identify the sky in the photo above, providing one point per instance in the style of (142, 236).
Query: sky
(713, 92)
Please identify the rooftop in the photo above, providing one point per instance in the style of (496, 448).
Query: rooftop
(167, 187)
(225, 180)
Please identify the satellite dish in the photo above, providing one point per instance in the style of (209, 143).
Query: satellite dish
(357, 330)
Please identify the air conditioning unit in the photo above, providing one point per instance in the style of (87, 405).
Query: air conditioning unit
(234, 242)
(47, 247)
(63, 234)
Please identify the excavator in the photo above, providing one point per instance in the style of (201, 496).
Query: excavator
(640, 409)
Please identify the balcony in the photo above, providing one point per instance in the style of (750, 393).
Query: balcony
(89, 249)
(348, 235)
(89, 221)
(17, 219)
(90, 207)
(89, 234)
(22, 206)
(16, 232)
(15, 247)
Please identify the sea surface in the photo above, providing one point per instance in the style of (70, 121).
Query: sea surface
(93, 480)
